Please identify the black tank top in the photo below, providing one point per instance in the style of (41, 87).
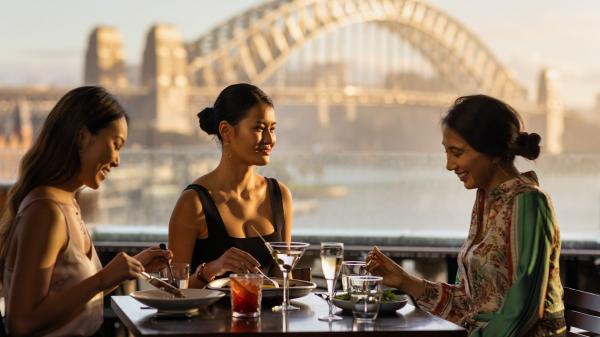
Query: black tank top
(218, 241)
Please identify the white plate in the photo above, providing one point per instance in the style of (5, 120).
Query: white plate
(384, 308)
(194, 299)
(298, 288)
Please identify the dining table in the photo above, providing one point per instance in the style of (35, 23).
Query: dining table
(216, 319)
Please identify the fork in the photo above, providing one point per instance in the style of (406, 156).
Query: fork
(171, 275)
(270, 249)
(268, 278)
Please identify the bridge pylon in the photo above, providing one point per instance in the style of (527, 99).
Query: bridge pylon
(550, 103)
(164, 75)
(105, 60)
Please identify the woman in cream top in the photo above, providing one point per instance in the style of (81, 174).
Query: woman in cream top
(52, 279)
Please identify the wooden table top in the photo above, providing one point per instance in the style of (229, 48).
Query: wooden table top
(217, 320)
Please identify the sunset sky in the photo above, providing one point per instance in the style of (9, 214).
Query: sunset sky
(43, 42)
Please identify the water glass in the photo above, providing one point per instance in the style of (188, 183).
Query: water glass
(352, 268)
(365, 294)
(246, 294)
(181, 273)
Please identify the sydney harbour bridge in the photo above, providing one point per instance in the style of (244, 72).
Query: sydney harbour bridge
(326, 62)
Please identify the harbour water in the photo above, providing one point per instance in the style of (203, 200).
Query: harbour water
(352, 194)
(373, 195)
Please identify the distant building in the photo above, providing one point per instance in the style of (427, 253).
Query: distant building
(17, 131)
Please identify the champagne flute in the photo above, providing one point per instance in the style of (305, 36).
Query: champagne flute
(286, 255)
(332, 256)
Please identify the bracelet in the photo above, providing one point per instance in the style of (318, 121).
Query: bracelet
(199, 275)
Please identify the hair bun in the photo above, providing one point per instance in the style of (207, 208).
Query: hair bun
(528, 145)
(208, 120)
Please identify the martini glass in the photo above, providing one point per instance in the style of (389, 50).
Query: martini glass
(286, 255)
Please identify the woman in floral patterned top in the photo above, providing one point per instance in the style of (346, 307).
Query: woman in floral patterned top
(508, 282)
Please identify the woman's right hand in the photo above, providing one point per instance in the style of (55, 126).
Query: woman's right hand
(122, 267)
(234, 260)
(381, 265)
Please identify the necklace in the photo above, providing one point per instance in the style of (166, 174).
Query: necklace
(78, 213)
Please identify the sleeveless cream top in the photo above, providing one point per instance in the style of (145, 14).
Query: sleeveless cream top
(72, 266)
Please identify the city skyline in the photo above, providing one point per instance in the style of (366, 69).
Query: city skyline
(540, 34)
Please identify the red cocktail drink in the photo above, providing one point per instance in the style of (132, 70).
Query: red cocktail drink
(245, 324)
(246, 294)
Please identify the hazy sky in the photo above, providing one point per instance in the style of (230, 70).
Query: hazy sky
(43, 42)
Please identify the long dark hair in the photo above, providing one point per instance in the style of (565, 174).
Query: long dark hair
(54, 156)
(492, 127)
(232, 105)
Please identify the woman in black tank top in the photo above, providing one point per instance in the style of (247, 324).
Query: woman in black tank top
(212, 225)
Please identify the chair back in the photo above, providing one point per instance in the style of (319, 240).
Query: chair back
(2, 331)
(582, 311)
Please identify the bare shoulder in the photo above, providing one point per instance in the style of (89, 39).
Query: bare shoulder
(187, 217)
(42, 216)
(285, 191)
(43, 222)
(189, 202)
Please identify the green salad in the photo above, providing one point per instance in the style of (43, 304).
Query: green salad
(387, 296)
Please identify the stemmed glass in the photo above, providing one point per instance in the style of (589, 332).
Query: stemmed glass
(332, 256)
(286, 255)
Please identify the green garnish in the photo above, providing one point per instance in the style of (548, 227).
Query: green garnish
(386, 296)
(343, 297)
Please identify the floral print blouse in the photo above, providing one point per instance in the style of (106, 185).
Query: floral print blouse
(508, 281)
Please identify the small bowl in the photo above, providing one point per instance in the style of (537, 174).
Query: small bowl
(386, 307)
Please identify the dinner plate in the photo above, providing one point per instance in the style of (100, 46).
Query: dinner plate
(298, 288)
(385, 307)
(165, 302)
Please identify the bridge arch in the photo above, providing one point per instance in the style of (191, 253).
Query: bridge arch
(252, 45)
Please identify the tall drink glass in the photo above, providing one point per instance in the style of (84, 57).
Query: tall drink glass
(246, 294)
(286, 256)
(332, 255)
(352, 268)
(365, 294)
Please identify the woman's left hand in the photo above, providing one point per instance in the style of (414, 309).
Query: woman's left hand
(154, 259)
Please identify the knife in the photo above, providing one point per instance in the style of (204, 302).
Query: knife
(162, 285)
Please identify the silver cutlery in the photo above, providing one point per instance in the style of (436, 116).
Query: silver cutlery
(162, 285)
(268, 278)
(270, 249)
(171, 275)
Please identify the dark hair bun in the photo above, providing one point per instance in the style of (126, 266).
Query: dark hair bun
(528, 145)
(208, 120)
